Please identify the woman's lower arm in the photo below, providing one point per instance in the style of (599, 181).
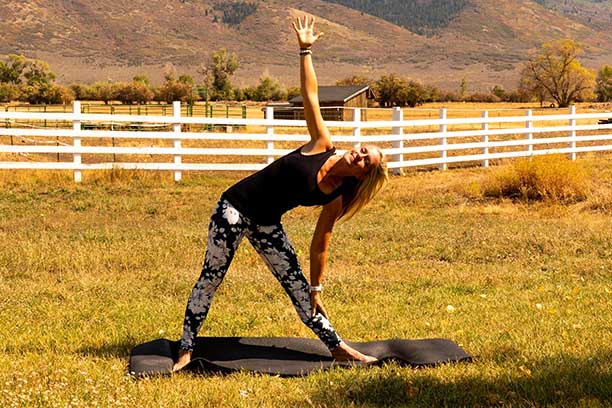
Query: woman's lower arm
(308, 80)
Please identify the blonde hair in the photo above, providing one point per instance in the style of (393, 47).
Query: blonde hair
(367, 188)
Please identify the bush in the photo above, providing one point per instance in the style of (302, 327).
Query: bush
(482, 97)
(550, 177)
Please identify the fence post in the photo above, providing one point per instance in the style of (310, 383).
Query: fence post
(572, 123)
(485, 138)
(76, 140)
(529, 125)
(270, 132)
(443, 141)
(176, 127)
(398, 116)
(357, 128)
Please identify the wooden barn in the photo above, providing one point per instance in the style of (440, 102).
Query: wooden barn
(334, 101)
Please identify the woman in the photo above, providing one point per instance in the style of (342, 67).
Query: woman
(310, 175)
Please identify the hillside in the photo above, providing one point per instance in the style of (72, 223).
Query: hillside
(479, 40)
(594, 13)
(424, 17)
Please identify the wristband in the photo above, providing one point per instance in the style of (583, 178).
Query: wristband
(318, 288)
(305, 51)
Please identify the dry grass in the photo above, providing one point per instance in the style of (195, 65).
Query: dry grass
(550, 177)
(88, 271)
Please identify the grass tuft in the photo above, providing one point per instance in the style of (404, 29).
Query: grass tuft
(551, 178)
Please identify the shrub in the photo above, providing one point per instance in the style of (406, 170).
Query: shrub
(482, 97)
(549, 177)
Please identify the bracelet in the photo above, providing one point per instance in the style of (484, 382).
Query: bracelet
(305, 51)
(318, 288)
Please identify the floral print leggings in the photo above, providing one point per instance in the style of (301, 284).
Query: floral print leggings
(226, 230)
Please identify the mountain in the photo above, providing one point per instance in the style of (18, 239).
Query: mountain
(424, 17)
(438, 42)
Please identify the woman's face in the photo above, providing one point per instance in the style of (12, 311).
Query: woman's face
(359, 161)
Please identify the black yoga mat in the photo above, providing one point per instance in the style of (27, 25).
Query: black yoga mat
(284, 356)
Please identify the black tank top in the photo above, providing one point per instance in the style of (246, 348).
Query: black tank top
(288, 182)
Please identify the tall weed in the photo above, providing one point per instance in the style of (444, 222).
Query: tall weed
(549, 178)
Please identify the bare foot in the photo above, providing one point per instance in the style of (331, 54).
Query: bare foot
(344, 352)
(183, 359)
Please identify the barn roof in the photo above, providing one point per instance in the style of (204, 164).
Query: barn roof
(337, 94)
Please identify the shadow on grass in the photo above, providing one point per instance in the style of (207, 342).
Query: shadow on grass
(555, 381)
(120, 350)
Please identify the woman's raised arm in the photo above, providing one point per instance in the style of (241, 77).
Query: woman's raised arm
(319, 134)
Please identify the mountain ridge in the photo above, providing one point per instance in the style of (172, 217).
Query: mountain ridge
(485, 43)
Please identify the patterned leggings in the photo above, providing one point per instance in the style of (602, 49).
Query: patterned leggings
(227, 228)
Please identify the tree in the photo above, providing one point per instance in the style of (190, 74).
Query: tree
(432, 93)
(354, 80)
(142, 78)
(83, 92)
(9, 92)
(415, 94)
(389, 89)
(556, 71)
(134, 92)
(38, 74)
(47, 93)
(176, 89)
(169, 72)
(292, 92)
(269, 89)
(11, 71)
(21, 70)
(234, 12)
(463, 88)
(103, 91)
(499, 92)
(33, 79)
(173, 90)
(217, 72)
(186, 79)
(603, 89)
(58, 94)
(394, 91)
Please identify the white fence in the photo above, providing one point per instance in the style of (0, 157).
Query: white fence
(83, 145)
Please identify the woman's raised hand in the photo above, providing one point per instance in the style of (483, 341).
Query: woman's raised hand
(304, 28)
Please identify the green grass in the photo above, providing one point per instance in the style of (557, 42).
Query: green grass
(89, 271)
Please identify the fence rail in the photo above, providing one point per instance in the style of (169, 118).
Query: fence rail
(83, 144)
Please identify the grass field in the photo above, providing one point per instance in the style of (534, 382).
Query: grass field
(88, 271)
